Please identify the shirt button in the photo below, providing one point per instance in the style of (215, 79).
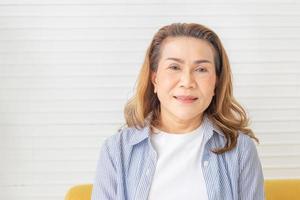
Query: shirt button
(147, 172)
(205, 163)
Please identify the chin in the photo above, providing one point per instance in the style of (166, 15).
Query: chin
(186, 116)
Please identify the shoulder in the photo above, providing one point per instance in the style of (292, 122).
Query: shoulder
(245, 142)
(119, 147)
(247, 150)
(122, 138)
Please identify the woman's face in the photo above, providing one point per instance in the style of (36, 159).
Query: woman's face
(185, 78)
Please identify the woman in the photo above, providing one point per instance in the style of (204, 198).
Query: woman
(186, 136)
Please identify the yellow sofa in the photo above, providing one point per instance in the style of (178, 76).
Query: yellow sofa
(280, 189)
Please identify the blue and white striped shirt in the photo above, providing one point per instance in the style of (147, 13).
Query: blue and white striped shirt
(127, 164)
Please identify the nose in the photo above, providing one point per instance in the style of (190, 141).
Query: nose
(187, 80)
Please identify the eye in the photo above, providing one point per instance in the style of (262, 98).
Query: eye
(201, 69)
(174, 67)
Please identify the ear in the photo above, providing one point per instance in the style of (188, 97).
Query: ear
(153, 80)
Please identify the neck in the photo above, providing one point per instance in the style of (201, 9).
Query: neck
(174, 125)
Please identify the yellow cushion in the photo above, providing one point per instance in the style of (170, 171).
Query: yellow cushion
(280, 189)
(80, 192)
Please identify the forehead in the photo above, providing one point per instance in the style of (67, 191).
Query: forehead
(187, 48)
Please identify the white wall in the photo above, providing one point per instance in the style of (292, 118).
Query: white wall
(68, 66)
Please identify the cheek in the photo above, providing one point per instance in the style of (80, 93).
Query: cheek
(208, 86)
(166, 82)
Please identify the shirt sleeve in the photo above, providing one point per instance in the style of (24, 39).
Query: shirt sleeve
(105, 183)
(251, 180)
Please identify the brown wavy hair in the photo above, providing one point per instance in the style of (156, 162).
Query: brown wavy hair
(224, 111)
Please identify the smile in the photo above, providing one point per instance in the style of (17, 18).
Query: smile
(185, 99)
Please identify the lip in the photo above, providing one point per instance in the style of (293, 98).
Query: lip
(185, 99)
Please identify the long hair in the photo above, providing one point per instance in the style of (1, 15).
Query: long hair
(224, 111)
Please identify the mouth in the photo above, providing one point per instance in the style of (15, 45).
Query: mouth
(186, 99)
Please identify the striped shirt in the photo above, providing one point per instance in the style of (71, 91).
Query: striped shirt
(127, 164)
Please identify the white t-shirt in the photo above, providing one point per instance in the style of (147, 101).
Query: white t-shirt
(178, 174)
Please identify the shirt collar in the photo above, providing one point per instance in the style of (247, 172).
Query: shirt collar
(209, 129)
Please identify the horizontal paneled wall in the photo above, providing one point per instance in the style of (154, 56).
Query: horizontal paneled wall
(67, 67)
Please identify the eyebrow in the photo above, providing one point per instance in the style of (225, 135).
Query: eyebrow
(182, 61)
